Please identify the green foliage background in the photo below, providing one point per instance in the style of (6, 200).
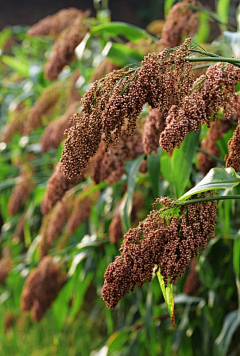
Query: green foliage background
(78, 323)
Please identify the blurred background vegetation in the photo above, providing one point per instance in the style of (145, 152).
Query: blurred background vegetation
(207, 298)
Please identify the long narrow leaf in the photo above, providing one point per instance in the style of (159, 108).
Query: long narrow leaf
(217, 178)
(182, 162)
(167, 295)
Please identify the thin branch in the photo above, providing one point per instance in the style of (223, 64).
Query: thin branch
(192, 201)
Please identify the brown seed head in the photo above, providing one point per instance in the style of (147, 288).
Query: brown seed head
(191, 284)
(81, 211)
(208, 95)
(59, 217)
(21, 191)
(109, 165)
(180, 23)
(57, 186)
(54, 132)
(167, 241)
(216, 131)
(41, 288)
(16, 123)
(43, 106)
(154, 125)
(116, 101)
(5, 267)
(233, 157)
(9, 321)
(55, 24)
(64, 48)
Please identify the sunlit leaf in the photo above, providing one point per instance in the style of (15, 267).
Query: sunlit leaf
(182, 162)
(122, 55)
(167, 295)
(217, 178)
(223, 9)
(131, 32)
(17, 65)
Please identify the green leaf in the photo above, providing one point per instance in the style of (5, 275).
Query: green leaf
(217, 178)
(153, 164)
(132, 33)
(203, 27)
(230, 325)
(167, 6)
(126, 206)
(17, 65)
(5, 34)
(223, 9)
(122, 55)
(236, 256)
(165, 164)
(182, 162)
(167, 295)
(82, 285)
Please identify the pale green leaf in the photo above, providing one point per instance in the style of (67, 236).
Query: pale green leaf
(167, 295)
(217, 178)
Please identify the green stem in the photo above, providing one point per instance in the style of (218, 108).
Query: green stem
(205, 53)
(235, 61)
(192, 201)
(202, 66)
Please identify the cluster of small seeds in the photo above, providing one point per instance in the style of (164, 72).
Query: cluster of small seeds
(116, 101)
(209, 94)
(54, 132)
(209, 144)
(57, 186)
(41, 288)
(167, 239)
(233, 157)
(180, 22)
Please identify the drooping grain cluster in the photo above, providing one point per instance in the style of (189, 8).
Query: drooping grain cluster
(81, 211)
(154, 125)
(180, 22)
(63, 51)
(9, 321)
(54, 132)
(209, 144)
(5, 267)
(165, 241)
(21, 190)
(209, 94)
(233, 157)
(109, 165)
(59, 217)
(57, 186)
(17, 122)
(115, 227)
(72, 92)
(44, 246)
(192, 283)
(55, 24)
(43, 106)
(116, 101)
(41, 288)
